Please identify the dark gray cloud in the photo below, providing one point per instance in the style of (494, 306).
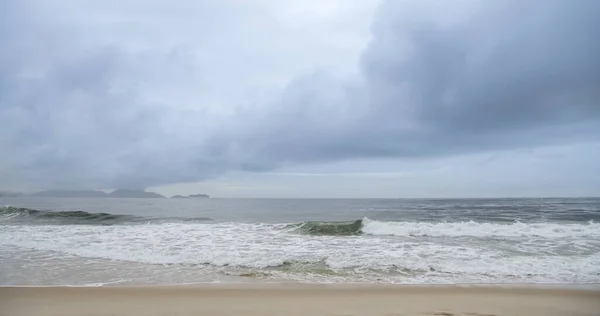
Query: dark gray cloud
(433, 81)
(502, 75)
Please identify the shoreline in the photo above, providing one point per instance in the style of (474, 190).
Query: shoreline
(258, 286)
(333, 285)
(298, 299)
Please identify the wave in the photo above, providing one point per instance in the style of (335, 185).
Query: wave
(368, 226)
(21, 214)
(540, 253)
(365, 226)
(475, 229)
(329, 228)
(27, 215)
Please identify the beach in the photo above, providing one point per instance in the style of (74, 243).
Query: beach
(298, 299)
(300, 257)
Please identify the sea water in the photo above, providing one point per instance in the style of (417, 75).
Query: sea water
(79, 242)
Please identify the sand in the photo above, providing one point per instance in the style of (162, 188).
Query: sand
(297, 300)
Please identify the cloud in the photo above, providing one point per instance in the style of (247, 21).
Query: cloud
(139, 94)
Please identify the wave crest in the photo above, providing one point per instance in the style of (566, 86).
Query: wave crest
(11, 213)
(349, 228)
(369, 226)
(23, 215)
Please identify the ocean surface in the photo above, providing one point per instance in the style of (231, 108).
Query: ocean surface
(88, 242)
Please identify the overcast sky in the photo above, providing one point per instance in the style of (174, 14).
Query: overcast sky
(319, 98)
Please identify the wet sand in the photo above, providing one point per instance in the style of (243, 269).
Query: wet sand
(298, 300)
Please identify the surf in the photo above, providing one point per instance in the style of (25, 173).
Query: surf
(22, 215)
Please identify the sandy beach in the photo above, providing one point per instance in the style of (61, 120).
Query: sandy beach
(297, 300)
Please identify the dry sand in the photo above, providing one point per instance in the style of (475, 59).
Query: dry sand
(297, 300)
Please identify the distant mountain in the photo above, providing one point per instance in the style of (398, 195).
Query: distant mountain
(70, 194)
(193, 196)
(125, 193)
(199, 196)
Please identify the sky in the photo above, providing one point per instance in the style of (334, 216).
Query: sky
(311, 98)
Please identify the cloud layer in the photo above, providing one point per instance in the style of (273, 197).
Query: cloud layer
(168, 101)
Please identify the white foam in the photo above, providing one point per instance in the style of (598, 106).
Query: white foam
(474, 229)
(519, 253)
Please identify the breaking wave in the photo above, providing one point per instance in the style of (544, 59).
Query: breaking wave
(26, 215)
(329, 228)
(448, 229)
(365, 226)
(475, 229)
(20, 214)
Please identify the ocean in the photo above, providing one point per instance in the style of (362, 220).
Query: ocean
(93, 242)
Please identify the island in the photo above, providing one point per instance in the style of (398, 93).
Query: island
(192, 196)
(199, 196)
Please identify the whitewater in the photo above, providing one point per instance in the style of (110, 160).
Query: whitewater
(139, 242)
